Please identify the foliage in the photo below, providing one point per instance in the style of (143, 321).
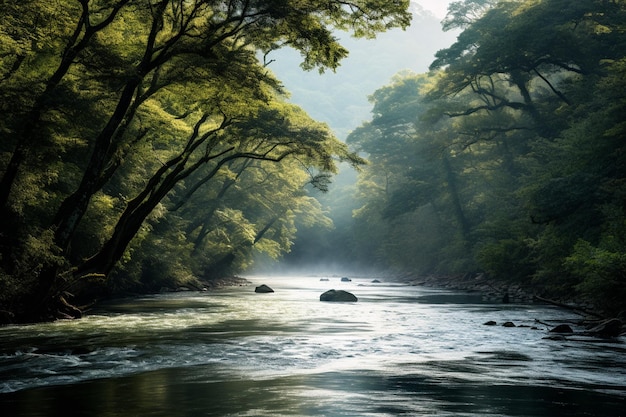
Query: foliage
(601, 273)
(116, 113)
(511, 150)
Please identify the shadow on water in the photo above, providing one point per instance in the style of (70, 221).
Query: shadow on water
(202, 391)
(161, 303)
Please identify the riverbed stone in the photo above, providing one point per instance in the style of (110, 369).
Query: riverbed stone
(490, 323)
(338, 295)
(562, 328)
(263, 289)
(508, 324)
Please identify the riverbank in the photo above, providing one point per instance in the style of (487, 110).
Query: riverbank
(591, 316)
(210, 284)
(494, 290)
(225, 282)
(490, 289)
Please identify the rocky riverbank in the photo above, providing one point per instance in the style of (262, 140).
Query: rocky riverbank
(210, 284)
(490, 289)
(231, 281)
(506, 292)
(596, 323)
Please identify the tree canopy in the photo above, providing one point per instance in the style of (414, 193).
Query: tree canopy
(507, 158)
(117, 113)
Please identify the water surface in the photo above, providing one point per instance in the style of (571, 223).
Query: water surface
(399, 350)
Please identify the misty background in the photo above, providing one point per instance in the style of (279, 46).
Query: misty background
(340, 99)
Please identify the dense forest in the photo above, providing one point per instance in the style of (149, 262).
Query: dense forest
(146, 144)
(509, 156)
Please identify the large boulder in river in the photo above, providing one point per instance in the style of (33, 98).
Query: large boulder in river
(263, 289)
(339, 295)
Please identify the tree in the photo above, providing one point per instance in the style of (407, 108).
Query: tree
(130, 66)
(82, 25)
(265, 135)
(526, 120)
(413, 181)
(513, 41)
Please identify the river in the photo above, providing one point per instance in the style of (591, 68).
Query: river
(399, 350)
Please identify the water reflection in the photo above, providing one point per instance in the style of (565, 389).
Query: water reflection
(201, 392)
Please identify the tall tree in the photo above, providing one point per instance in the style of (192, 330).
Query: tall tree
(527, 114)
(531, 46)
(414, 176)
(137, 66)
(83, 24)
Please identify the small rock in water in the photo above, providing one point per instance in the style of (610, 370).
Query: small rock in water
(509, 324)
(345, 279)
(562, 328)
(490, 323)
(263, 289)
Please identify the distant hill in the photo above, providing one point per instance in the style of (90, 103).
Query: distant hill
(340, 98)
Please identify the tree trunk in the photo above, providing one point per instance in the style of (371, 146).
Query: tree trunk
(159, 185)
(76, 44)
(73, 208)
(204, 230)
(456, 201)
(127, 227)
(520, 81)
(202, 234)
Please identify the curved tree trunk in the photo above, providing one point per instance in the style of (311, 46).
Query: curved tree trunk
(75, 205)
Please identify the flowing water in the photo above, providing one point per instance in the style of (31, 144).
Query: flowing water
(399, 350)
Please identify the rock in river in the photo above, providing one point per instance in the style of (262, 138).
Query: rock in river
(263, 289)
(562, 328)
(339, 295)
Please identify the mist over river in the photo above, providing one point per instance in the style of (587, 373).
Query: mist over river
(399, 350)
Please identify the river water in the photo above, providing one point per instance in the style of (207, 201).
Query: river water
(399, 350)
